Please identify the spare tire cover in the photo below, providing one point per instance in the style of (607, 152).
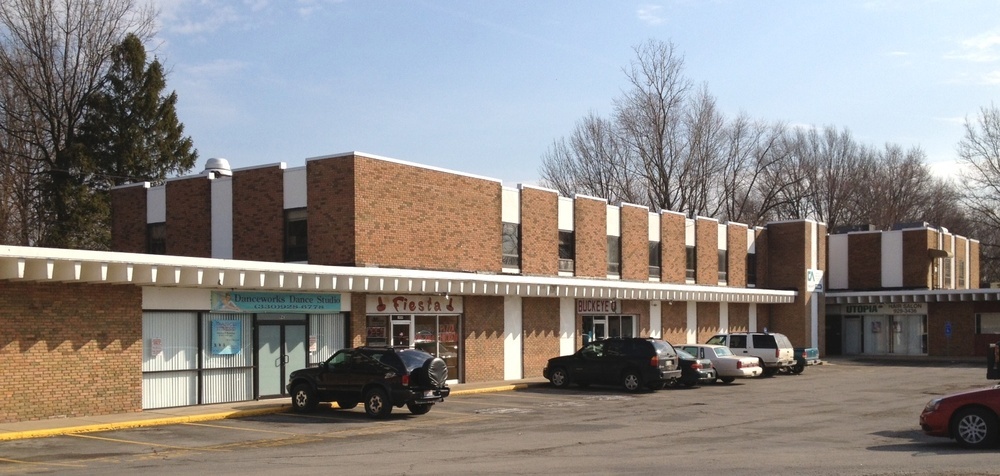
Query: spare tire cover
(437, 371)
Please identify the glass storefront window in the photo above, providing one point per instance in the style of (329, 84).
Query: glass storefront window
(602, 327)
(436, 335)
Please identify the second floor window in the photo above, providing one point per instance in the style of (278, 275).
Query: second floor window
(156, 238)
(723, 266)
(614, 255)
(567, 250)
(691, 262)
(751, 269)
(296, 243)
(511, 245)
(654, 259)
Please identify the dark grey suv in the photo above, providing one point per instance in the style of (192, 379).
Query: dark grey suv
(634, 363)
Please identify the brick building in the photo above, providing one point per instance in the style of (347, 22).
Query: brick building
(223, 282)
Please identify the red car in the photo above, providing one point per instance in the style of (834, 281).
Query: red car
(971, 417)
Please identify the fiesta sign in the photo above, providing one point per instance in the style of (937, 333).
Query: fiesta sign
(405, 304)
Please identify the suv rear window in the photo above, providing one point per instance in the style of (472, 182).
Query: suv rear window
(783, 340)
(413, 359)
(764, 341)
(663, 347)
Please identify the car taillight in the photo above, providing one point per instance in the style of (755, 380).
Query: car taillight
(739, 364)
(654, 361)
(696, 366)
(777, 353)
(406, 380)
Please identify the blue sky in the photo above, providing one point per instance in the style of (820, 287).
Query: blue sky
(486, 87)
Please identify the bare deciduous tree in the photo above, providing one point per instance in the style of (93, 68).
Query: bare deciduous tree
(650, 115)
(979, 152)
(53, 55)
(594, 161)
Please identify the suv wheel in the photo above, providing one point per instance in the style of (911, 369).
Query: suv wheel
(377, 403)
(559, 378)
(303, 398)
(632, 381)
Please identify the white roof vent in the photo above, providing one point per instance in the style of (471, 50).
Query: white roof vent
(218, 167)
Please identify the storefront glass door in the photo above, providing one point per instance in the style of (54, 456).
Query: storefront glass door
(281, 350)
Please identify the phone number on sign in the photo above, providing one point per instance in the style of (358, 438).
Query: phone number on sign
(286, 307)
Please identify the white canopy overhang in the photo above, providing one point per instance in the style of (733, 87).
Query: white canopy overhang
(918, 296)
(83, 266)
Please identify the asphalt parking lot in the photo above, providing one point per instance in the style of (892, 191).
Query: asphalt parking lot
(842, 418)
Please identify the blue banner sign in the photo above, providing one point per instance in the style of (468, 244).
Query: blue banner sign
(232, 301)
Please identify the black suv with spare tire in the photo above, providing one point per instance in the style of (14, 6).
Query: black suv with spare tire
(381, 377)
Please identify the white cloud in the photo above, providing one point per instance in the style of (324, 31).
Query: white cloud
(214, 70)
(185, 18)
(992, 78)
(984, 48)
(651, 14)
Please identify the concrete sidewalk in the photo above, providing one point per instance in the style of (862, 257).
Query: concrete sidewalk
(197, 413)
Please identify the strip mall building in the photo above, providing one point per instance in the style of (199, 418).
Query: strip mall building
(222, 283)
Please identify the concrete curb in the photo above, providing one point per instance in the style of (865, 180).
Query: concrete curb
(125, 425)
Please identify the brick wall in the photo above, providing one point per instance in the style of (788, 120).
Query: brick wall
(483, 338)
(961, 248)
(128, 219)
(419, 218)
(69, 350)
(739, 317)
(763, 263)
(635, 243)
(974, 277)
(673, 316)
(708, 320)
(736, 244)
(189, 217)
(792, 242)
(330, 193)
(359, 320)
(540, 322)
(539, 232)
(962, 316)
(673, 263)
(916, 261)
(706, 244)
(590, 223)
(864, 254)
(258, 214)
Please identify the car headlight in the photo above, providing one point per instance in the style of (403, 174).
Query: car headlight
(932, 405)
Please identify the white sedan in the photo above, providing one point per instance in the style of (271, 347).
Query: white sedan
(727, 365)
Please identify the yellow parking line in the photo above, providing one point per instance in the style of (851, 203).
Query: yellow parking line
(241, 429)
(143, 443)
(36, 463)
